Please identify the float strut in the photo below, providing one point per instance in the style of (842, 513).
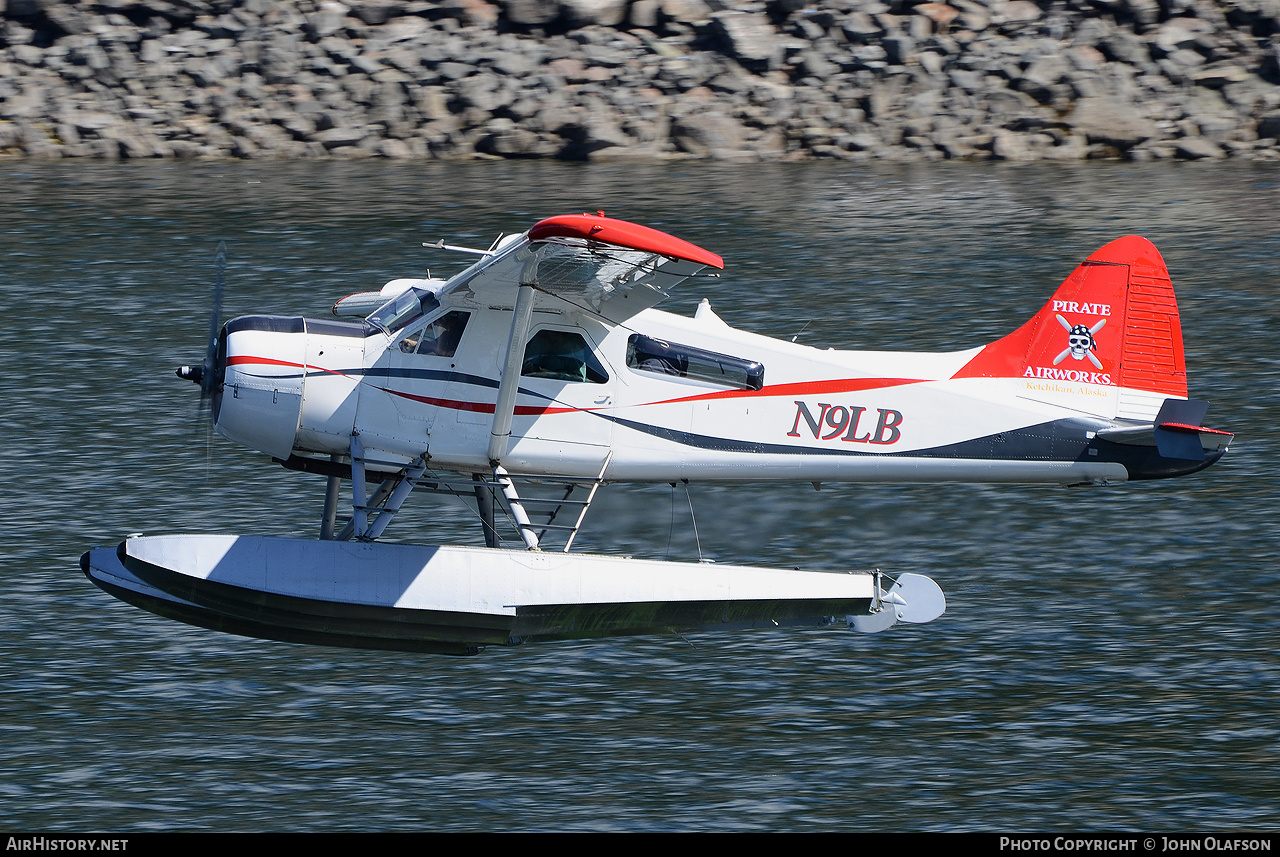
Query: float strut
(359, 515)
(403, 487)
(330, 518)
(379, 496)
(484, 503)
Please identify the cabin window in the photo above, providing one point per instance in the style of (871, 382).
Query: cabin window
(646, 354)
(440, 337)
(562, 355)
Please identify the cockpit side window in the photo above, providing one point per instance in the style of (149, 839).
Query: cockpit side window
(646, 354)
(439, 337)
(562, 355)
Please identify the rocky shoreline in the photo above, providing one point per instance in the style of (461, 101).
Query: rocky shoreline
(894, 80)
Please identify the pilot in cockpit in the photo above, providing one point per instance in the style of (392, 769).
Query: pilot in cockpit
(448, 330)
(439, 338)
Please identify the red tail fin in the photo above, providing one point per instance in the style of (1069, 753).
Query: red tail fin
(1112, 323)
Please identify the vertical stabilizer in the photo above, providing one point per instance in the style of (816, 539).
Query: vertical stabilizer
(1109, 341)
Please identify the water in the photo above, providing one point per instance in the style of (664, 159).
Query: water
(1108, 659)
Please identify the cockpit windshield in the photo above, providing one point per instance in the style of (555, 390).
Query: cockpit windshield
(404, 308)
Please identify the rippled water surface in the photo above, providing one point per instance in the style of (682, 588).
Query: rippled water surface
(1108, 658)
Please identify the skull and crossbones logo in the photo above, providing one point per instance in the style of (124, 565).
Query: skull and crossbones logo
(1080, 342)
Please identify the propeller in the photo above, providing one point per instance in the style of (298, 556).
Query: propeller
(209, 374)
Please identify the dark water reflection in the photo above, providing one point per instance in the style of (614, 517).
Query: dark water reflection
(1108, 659)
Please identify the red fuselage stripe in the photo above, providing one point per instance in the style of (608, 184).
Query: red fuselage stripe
(478, 407)
(266, 361)
(799, 388)
(271, 361)
(804, 388)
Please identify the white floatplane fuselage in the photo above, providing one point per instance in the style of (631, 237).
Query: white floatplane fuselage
(660, 397)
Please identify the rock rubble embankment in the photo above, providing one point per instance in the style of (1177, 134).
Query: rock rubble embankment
(641, 79)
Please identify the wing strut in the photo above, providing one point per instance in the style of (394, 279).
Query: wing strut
(503, 480)
(509, 386)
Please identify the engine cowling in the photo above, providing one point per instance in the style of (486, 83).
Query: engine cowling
(264, 374)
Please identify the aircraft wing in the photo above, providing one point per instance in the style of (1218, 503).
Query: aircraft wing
(608, 267)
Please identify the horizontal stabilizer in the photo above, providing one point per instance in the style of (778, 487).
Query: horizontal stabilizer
(1177, 432)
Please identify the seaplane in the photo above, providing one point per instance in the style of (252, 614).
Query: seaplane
(543, 372)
